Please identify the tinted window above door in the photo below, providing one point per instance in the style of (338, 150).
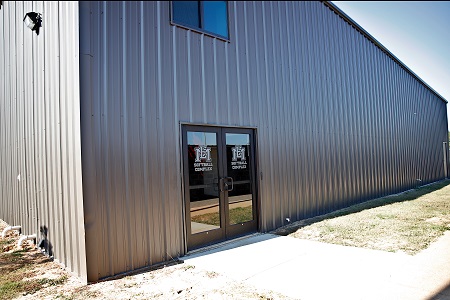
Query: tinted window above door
(206, 16)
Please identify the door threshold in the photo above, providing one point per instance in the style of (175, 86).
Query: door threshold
(221, 244)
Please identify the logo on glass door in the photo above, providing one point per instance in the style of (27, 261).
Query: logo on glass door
(202, 153)
(238, 153)
(203, 159)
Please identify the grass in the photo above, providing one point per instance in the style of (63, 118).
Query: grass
(241, 214)
(407, 222)
(237, 215)
(211, 219)
(10, 289)
(79, 293)
(188, 267)
(17, 269)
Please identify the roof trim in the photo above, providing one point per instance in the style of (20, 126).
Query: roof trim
(349, 20)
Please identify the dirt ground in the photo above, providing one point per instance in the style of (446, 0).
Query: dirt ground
(409, 222)
(179, 281)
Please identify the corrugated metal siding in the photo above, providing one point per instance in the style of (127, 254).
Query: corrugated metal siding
(130, 156)
(40, 127)
(338, 121)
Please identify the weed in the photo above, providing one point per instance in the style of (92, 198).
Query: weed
(80, 293)
(52, 282)
(9, 289)
(212, 274)
(187, 267)
(385, 216)
(130, 285)
(91, 294)
(64, 297)
(4, 242)
(18, 253)
(138, 295)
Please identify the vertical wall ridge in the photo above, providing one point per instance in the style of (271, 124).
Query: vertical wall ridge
(334, 118)
(41, 182)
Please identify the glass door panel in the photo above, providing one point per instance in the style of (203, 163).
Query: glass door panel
(219, 184)
(239, 170)
(203, 181)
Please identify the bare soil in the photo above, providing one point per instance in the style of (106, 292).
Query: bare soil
(408, 223)
(41, 278)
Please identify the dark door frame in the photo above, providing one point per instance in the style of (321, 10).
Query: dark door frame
(225, 231)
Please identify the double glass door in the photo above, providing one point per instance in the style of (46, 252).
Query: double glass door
(219, 176)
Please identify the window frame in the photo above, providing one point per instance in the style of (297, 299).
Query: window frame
(201, 30)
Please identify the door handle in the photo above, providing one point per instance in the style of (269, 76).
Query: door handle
(232, 184)
(225, 184)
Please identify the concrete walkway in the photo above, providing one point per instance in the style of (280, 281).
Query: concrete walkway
(303, 269)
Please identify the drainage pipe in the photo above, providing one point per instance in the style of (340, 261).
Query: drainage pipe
(24, 238)
(10, 228)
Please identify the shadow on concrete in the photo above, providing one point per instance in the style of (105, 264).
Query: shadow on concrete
(229, 244)
(386, 200)
(443, 294)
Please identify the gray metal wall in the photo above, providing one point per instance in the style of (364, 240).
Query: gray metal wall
(338, 120)
(40, 127)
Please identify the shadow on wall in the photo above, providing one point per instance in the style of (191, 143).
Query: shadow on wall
(44, 242)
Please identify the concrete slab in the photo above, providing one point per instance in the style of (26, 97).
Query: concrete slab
(303, 269)
(199, 227)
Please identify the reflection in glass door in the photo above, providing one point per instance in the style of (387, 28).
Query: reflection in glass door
(219, 183)
(240, 197)
(203, 179)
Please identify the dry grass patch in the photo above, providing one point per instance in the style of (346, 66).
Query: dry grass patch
(237, 215)
(18, 269)
(28, 274)
(408, 222)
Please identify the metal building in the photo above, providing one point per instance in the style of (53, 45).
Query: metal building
(132, 132)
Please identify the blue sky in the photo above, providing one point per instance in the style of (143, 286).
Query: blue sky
(418, 33)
